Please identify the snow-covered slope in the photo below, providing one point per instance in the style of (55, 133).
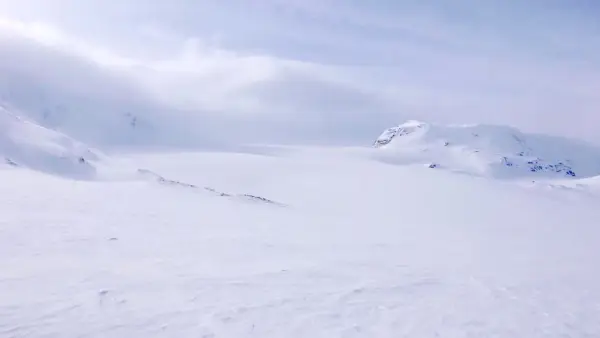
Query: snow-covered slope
(26, 144)
(489, 150)
(359, 249)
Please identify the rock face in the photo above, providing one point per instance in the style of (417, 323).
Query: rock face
(487, 150)
(406, 128)
(26, 144)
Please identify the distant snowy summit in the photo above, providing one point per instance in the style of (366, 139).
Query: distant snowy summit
(29, 145)
(488, 150)
(406, 128)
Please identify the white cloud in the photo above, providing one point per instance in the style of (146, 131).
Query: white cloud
(213, 85)
(255, 96)
(47, 35)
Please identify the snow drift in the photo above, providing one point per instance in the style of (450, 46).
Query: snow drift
(26, 144)
(488, 150)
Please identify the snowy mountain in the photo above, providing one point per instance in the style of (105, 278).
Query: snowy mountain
(26, 144)
(488, 150)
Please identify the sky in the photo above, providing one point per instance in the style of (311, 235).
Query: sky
(306, 71)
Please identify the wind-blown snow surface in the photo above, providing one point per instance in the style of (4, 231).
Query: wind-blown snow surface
(488, 150)
(360, 248)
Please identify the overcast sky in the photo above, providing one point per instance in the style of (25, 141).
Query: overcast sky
(310, 70)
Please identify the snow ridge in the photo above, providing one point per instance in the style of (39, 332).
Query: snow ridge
(162, 180)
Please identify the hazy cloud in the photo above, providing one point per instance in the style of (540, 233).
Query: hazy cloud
(302, 71)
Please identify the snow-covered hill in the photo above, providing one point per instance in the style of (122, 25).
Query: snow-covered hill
(495, 151)
(29, 145)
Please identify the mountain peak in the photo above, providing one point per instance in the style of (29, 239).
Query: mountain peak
(405, 128)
